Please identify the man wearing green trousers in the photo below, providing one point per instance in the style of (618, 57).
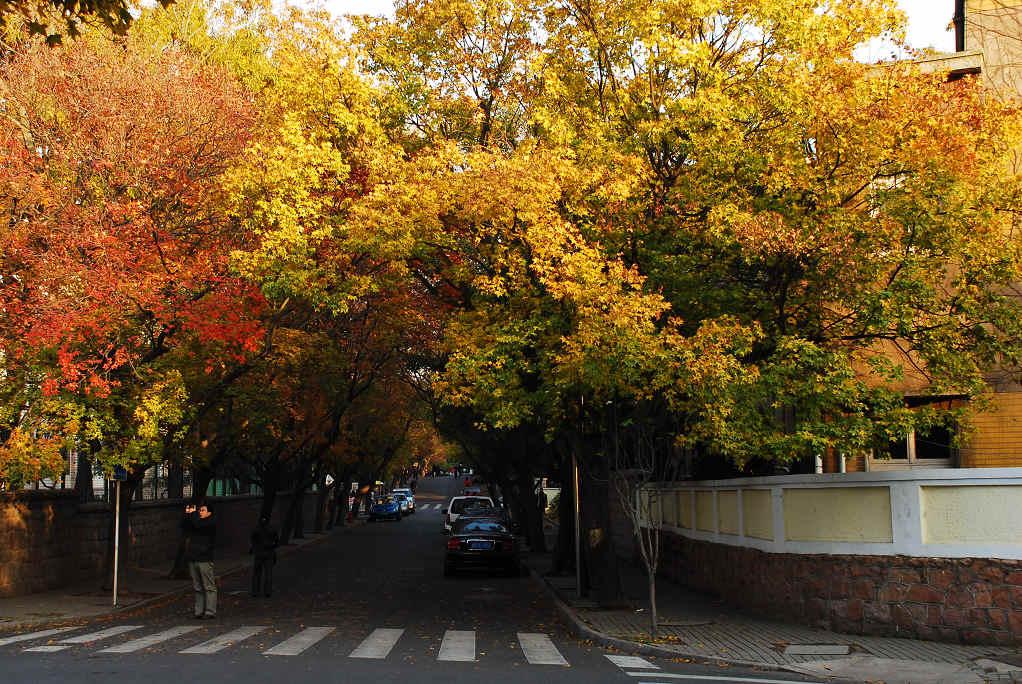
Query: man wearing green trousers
(199, 527)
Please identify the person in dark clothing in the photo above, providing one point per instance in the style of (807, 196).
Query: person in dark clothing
(199, 528)
(265, 541)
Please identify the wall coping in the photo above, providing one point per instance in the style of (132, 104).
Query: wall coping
(924, 476)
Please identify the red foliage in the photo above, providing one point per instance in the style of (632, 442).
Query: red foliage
(116, 241)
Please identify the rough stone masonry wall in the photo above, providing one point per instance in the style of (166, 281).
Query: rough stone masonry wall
(967, 600)
(48, 539)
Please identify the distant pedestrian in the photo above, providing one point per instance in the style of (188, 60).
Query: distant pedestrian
(265, 541)
(199, 527)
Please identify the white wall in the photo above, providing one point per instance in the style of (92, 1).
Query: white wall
(957, 513)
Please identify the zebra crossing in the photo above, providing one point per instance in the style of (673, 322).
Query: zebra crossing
(456, 646)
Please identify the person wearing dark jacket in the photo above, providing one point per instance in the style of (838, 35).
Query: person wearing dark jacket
(199, 528)
(265, 541)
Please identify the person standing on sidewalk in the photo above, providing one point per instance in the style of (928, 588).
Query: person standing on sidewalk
(199, 527)
(265, 541)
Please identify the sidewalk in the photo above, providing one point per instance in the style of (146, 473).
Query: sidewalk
(693, 626)
(137, 587)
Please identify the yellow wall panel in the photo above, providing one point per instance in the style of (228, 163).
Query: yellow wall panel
(972, 514)
(669, 504)
(757, 513)
(685, 509)
(727, 511)
(704, 511)
(838, 514)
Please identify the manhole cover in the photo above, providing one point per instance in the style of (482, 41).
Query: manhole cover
(817, 649)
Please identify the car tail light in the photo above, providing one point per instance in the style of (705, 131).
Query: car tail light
(453, 544)
(509, 546)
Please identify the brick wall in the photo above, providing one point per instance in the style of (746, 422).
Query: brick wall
(974, 601)
(48, 540)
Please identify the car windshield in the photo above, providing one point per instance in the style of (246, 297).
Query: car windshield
(459, 506)
(403, 491)
(480, 527)
(400, 497)
(385, 500)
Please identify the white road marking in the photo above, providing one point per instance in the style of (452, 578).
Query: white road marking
(632, 662)
(309, 636)
(715, 678)
(539, 649)
(458, 646)
(151, 640)
(46, 649)
(221, 642)
(35, 635)
(97, 636)
(378, 644)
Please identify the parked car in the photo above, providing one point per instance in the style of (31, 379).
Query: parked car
(483, 542)
(457, 506)
(408, 495)
(402, 502)
(385, 507)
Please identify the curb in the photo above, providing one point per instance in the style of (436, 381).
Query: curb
(171, 593)
(579, 628)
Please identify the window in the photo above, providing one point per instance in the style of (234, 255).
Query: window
(931, 448)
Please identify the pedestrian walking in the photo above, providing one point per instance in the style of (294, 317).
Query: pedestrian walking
(265, 541)
(199, 528)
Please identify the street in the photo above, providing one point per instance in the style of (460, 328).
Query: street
(366, 605)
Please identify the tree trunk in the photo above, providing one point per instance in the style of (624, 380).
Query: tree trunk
(83, 477)
(201, 478)
(598, 544)
(564, 552)
(322, 499)
(299, 503)
(653, 621)
(175, 481)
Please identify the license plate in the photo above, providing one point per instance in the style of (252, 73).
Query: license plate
(481, 545)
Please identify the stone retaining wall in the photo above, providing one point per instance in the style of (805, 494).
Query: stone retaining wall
(973, 601)
(48, 540)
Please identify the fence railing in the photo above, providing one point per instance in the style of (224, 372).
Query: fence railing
(958, 513)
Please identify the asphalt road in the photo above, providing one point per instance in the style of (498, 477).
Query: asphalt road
(375, 591)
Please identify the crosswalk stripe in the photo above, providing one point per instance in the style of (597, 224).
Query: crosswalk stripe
(310, 636)
(378, 644)
(221, 642)
(102, 634)
(539, 649)
(151, 640)
(35, 635)
(458, 646)
(83, 639)
(633, 662)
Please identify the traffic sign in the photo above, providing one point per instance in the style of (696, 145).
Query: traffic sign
(120, 473)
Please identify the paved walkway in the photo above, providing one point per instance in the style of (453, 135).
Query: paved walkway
(136, 587)
(695, 626)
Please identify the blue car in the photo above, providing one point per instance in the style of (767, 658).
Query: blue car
(385, 507)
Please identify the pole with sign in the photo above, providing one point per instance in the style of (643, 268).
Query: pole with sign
(120, 474)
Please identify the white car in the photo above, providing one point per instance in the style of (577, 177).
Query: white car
(458, 504)
(408, 495)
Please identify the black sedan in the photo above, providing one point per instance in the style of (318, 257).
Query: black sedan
(481, 543)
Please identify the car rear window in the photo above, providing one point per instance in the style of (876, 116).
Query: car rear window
(480, 527)
(459, 505)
